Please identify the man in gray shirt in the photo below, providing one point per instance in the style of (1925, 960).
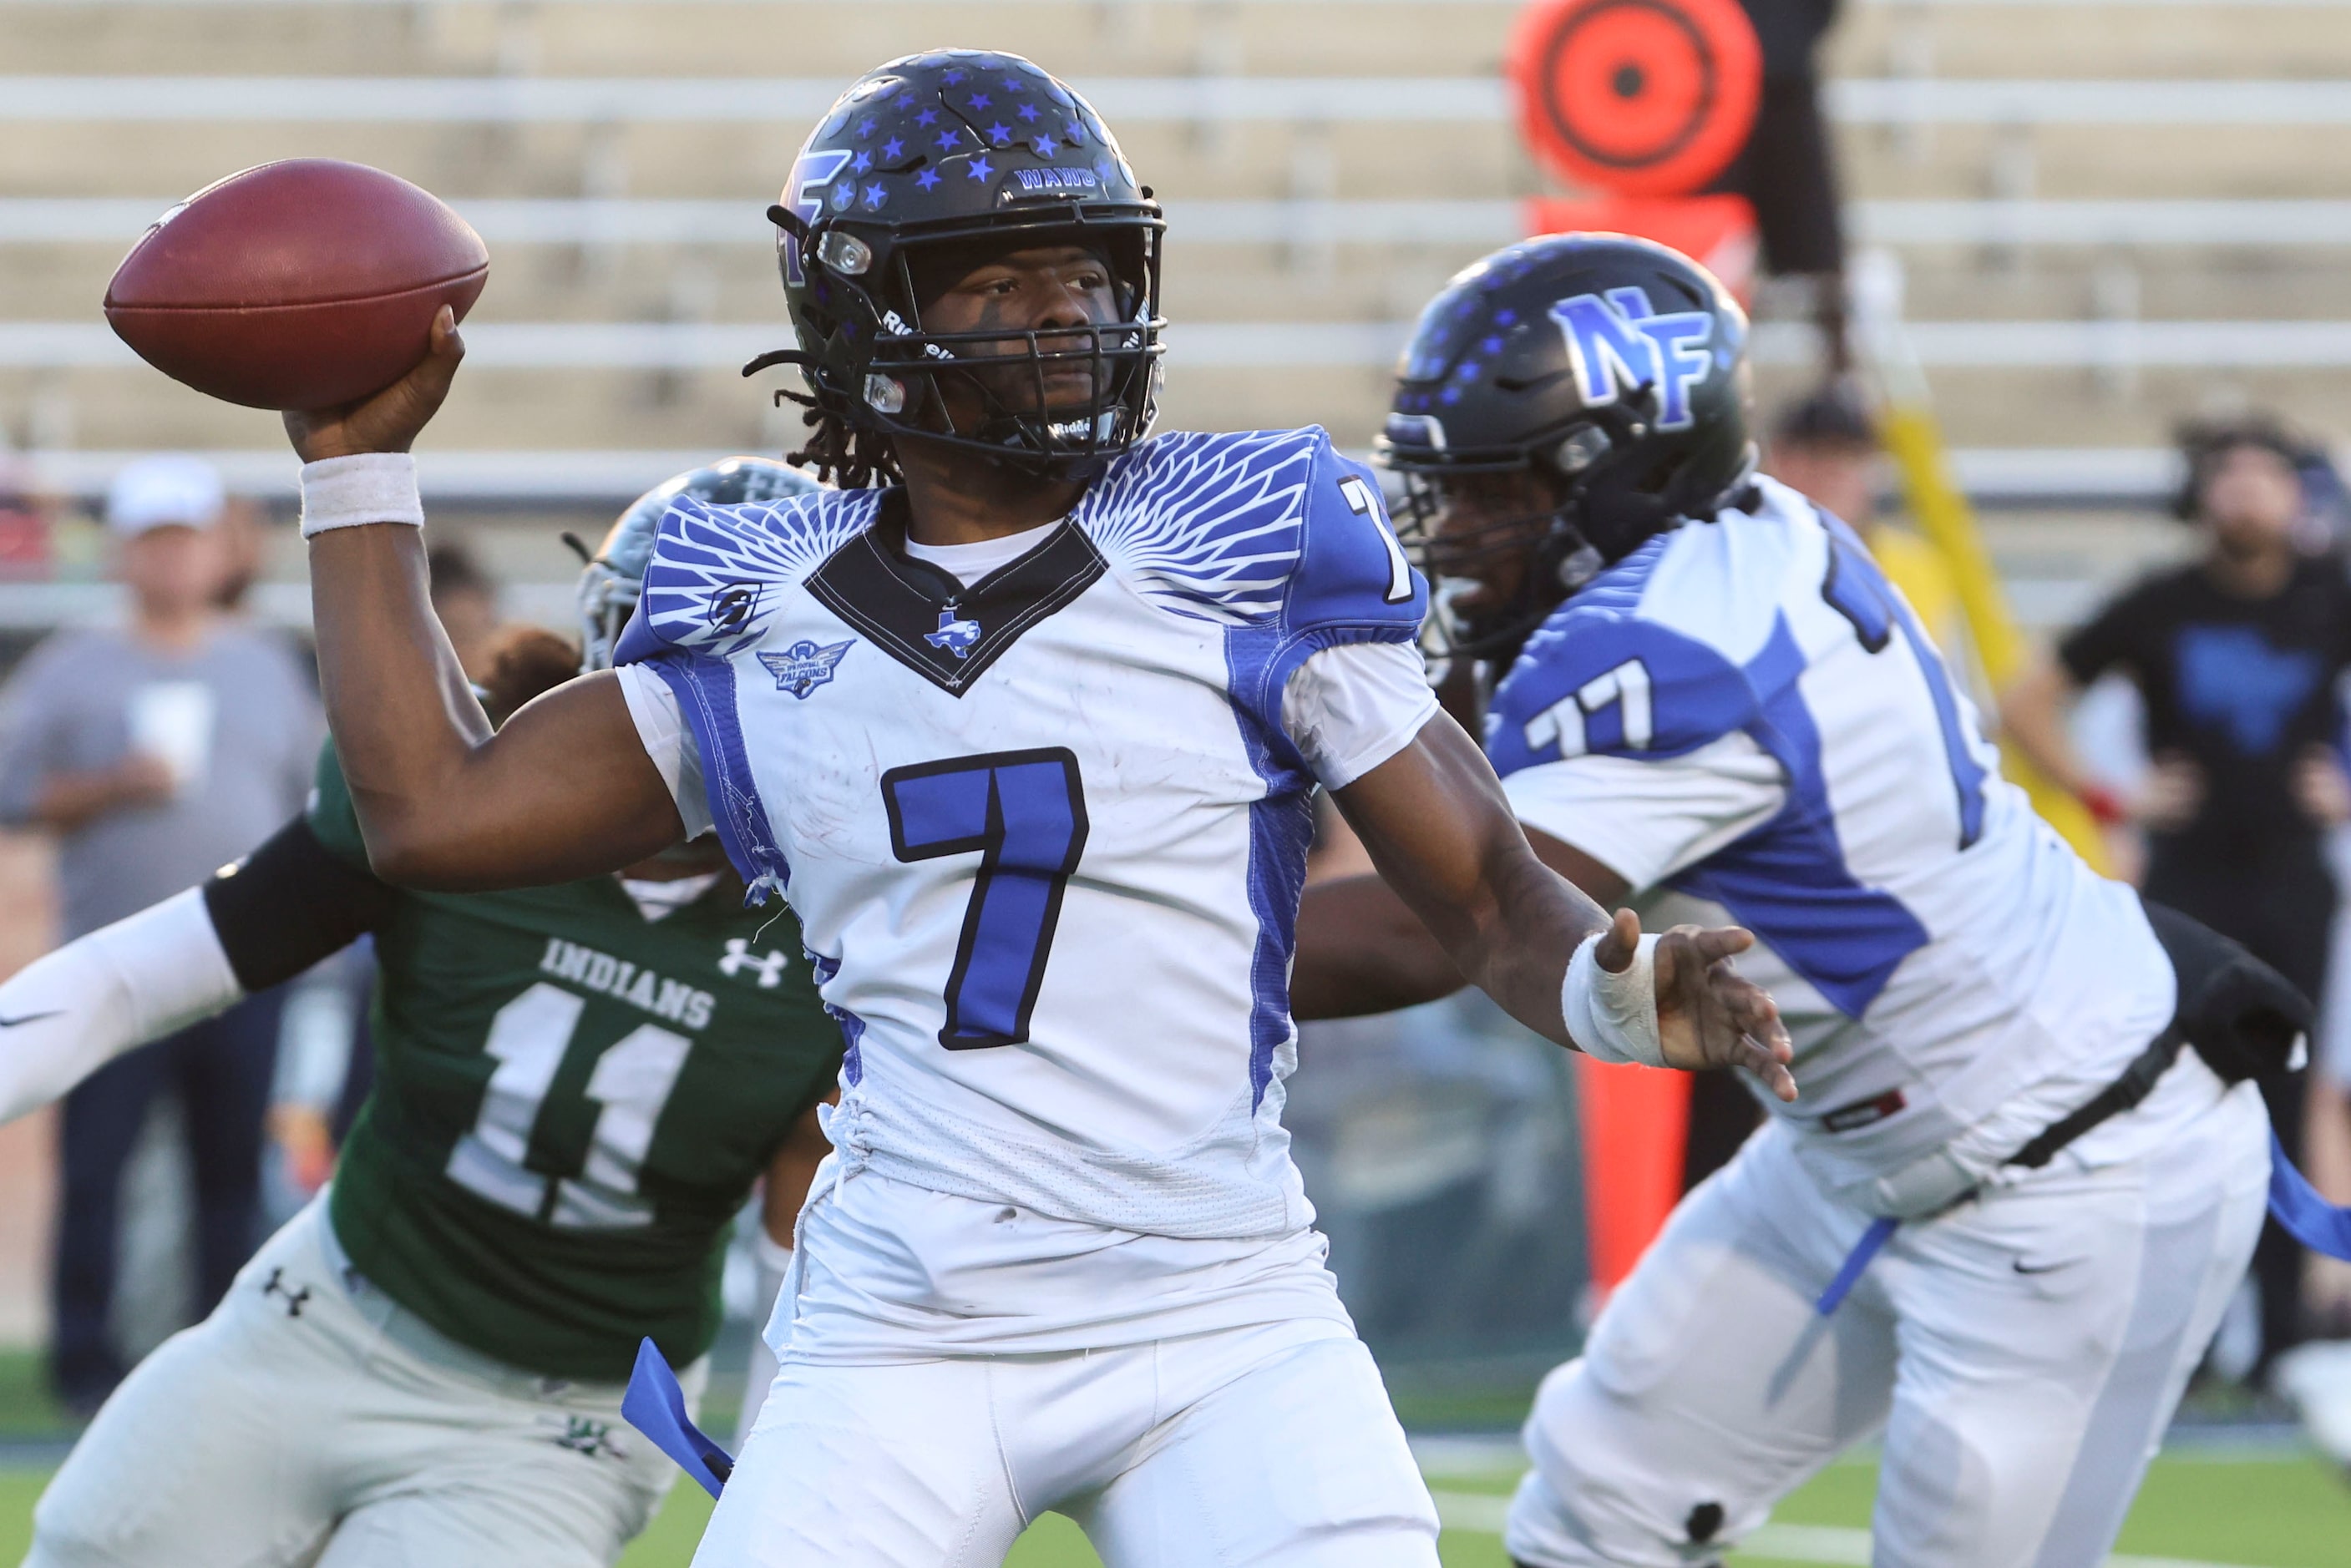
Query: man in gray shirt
(157, 752)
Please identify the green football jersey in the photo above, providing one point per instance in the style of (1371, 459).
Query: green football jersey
(571, 1103)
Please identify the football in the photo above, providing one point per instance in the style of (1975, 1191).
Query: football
(297, 284)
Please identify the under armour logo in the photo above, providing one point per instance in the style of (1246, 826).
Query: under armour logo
(770, 967)
(955, 634)
(274, 1287)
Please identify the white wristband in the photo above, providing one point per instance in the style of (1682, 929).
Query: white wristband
(1614, 1016)
(351, 492)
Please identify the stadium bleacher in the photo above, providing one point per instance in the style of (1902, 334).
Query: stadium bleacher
(2118, 214)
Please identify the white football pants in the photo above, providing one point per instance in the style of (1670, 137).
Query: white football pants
(1262, 1445)
(2023, 1354)
(308, 1422)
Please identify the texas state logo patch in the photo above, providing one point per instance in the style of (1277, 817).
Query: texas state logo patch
(805, 665)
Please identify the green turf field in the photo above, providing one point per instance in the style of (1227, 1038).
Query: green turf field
(2268, 1512)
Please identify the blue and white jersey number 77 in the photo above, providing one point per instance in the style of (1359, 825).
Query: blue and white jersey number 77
(1046, 832)
(1745, 720)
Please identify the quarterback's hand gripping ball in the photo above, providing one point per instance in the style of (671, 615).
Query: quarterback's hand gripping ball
(308, 284)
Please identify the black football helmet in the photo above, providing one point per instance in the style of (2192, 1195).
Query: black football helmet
(950, 156)
(614, 577)
(1612, 369)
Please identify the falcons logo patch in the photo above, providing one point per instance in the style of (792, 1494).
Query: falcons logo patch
(805, 665)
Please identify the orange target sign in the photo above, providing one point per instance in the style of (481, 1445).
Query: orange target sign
(1641, 98)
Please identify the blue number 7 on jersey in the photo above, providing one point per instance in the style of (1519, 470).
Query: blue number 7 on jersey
(1024, 814)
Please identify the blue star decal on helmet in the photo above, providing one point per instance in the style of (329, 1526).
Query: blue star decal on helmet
(1013, 84)
(863, 161)
(1046, 146)
(864, 128)
(999, 133)
(948, 138)
(979, 169)
(980, 102)
(905, 101)
(874, 197)
(892, 148)
(927, 118)
(1491, 346)
(1075, 132)
(953, 77)
(1029, 112)
(927, 178)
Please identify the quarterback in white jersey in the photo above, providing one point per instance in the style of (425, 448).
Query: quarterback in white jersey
(1710, 701)
(1024, 720)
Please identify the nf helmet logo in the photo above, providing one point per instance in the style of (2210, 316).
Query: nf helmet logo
(768, 967)
(805, 665)
(1618, 343)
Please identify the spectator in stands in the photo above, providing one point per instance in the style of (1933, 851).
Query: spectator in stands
(157, 752)
(1827, 446)
(26, 517)
(244, 552)
(2236, 656)
(465, 597)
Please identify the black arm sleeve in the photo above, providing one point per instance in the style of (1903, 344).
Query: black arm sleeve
(289, 904)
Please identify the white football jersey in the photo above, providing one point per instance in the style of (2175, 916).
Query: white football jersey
(1044, 832)
(1743, 719)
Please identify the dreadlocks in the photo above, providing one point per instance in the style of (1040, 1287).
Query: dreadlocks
(842, 453)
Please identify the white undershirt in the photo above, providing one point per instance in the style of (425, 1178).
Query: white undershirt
(657, 900)
(966, 563)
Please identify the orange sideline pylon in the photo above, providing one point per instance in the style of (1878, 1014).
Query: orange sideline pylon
(1636, 1124)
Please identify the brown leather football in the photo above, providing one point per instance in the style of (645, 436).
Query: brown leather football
(300, 285)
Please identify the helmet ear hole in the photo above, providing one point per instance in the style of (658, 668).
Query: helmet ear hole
(1579, 449)
(1579, 566)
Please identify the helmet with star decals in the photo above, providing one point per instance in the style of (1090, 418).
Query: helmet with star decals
(614, 575)
(1610, 372)
(948, 157)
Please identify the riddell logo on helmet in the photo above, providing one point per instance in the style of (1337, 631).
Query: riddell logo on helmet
(1618, 343)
